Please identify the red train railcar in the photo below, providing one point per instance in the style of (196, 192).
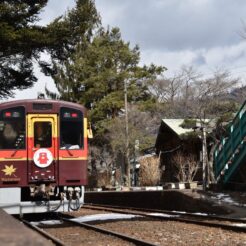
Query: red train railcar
(43, 155)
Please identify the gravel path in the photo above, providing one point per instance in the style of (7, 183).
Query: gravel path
(176, 233)
(80, 236)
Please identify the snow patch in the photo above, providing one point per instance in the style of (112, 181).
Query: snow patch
(197, 213)
(164, 215)
(202, 214)
(225, 198)
(87, 218)
(240, 225)
(47, 222)
(110, 216)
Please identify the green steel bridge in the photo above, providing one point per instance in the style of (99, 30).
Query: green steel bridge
(230, 154)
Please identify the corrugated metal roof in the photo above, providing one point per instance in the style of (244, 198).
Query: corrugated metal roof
(174, 124)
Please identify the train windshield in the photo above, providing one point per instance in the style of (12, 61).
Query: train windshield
(71, 129)
(12, 128)
(42, 134)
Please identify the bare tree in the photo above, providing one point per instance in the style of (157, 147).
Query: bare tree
(190, 94)
(101, 156)
(141, 127)
(187, 166)
(179, 162)
(104, 179)
(166, 90)
(101, 166)
(192, 167)
(188, 78)
(211, 91)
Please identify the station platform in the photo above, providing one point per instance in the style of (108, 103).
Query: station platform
(15, 233)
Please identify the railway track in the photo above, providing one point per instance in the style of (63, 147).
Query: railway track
(66, 222)
(204, 220)
(133, 240)
(116, 230)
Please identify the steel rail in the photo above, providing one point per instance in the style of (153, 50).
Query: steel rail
(187, 214)
(54, 240)
(184, 220)
(112, 233)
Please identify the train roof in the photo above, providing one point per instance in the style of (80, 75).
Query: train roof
(42, 105)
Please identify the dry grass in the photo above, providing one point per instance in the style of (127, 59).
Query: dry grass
(149, 172)
(100, 179)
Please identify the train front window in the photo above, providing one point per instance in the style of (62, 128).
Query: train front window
(12, 129)
(42, 134)
(71, 129)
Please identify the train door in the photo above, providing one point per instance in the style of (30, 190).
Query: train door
(42, 148)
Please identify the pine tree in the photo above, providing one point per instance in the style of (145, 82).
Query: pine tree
(101, 67)
(22, 41)
(97, 67)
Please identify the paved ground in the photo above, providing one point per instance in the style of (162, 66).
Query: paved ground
(234, 202)
(14, 233)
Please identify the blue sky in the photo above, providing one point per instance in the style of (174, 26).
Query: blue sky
(205, 34)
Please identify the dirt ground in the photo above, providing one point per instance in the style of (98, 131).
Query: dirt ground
(153, 231)
(165, 232)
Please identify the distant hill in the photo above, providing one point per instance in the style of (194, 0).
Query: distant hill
(238, 95)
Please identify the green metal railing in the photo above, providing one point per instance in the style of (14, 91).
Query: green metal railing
(231, 152)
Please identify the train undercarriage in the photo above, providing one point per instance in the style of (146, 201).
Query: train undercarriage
(41, 198)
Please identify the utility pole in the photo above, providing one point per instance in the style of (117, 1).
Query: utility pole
(204, 158)
(134, 175)
(127, 163)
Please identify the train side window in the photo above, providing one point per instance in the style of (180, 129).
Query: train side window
(12, 129)
(42, 134)
(71, 129)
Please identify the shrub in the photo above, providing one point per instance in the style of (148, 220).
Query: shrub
(103, 179)
(149, 172)
(99, 179)
(187, 167)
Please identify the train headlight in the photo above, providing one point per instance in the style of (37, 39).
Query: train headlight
(77, 189)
